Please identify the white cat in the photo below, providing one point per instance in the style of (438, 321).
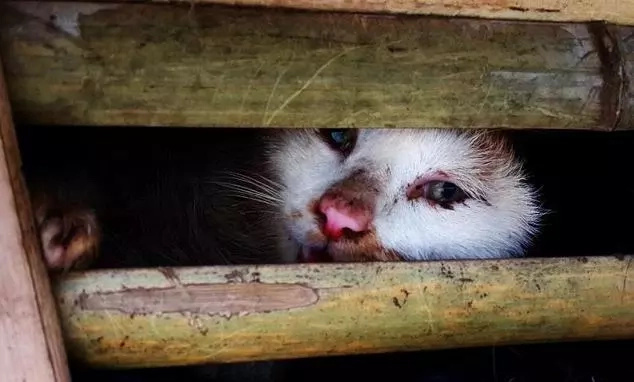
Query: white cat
(356, 195)
(401, 194)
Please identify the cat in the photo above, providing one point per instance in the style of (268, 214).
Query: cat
(142, 197)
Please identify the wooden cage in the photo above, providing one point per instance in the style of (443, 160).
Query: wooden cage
(528, 64)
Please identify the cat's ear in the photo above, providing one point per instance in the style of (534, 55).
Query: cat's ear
(492, 143)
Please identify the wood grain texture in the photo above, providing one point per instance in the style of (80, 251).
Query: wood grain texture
(151, 317)
(211, 65)
(616, 11)
(31, 346)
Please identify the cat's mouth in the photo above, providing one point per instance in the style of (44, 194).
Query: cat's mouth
(351, 247)
(364, 248)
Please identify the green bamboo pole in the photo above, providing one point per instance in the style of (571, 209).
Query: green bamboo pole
(151, 317)
(210, 65)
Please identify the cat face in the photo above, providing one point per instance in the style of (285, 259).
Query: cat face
(399, 194)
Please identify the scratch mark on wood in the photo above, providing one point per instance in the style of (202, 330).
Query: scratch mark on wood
(531, 9)
(268, 101)
(307, 84)
(627, 269)
(426, 306)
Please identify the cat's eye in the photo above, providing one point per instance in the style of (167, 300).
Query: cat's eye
(441, 192)
(342, 140)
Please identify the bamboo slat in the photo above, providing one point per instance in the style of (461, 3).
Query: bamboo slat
(210, 65)
(615, 11)
(151, 317)
(31, 345)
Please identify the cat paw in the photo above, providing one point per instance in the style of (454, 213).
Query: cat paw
(70, 238)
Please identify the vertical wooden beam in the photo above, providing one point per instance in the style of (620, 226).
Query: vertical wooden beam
(31, 346)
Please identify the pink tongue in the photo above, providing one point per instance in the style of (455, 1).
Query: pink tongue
(336, 221)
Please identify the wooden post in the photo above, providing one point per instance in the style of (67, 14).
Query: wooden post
(31, 347)
(161, 317)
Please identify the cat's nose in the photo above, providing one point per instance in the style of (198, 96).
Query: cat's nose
(344, 214)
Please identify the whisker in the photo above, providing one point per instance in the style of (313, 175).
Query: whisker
(255, 182)
(249, 195)
(253, 176)
(256, 187)
(269, 180)
(250, 192)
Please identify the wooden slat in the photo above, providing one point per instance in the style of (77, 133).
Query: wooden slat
(31, 347)
(614, 11)
(164, 317)
(210, 65)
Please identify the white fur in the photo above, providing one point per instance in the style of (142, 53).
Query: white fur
(306, 167)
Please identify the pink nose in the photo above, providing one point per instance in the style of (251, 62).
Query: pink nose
(343, 213)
